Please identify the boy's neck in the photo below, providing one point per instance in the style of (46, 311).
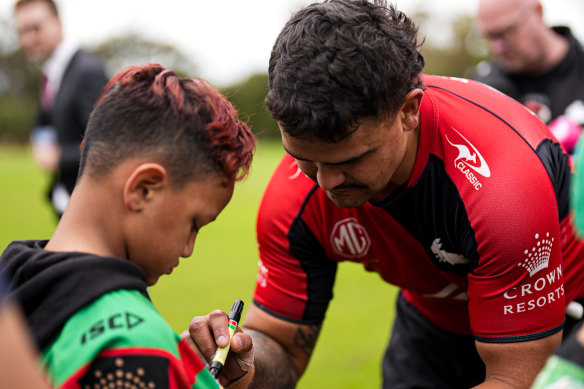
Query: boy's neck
(88, 225)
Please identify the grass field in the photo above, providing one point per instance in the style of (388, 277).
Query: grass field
(223, 268)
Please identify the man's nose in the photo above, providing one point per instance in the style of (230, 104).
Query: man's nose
(329, 177)
(497, 45)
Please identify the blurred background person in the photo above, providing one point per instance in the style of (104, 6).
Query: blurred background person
(71, 82)
(538, 65)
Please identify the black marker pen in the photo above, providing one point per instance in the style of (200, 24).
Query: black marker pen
(221, 353)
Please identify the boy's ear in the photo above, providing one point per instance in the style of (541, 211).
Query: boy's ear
(143, 184)
(411, 109)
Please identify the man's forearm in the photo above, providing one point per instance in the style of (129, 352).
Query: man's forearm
(273, 366)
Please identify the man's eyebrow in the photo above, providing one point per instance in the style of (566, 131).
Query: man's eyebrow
(352, 159)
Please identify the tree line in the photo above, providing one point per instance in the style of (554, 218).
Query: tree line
(19, 80)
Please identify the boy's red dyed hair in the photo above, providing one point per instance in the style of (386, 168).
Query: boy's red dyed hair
(184, 123)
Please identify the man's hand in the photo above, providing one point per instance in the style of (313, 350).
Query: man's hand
(47, 156)
(206, 333)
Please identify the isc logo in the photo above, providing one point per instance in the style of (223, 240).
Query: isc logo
(118, 321)
(350, 239)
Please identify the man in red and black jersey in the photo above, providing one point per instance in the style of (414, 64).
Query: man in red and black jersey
(447, 188)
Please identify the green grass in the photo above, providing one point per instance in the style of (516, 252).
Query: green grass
(223, 268)
(24, 212)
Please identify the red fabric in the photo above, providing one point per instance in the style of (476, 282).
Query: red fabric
(179, 374)
(486, 143)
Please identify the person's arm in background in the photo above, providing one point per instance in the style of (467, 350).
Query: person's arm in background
(20, 366)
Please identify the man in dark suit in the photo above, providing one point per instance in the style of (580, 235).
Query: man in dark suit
(72, 81)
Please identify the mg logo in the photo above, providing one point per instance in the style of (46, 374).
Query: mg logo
(350, 239)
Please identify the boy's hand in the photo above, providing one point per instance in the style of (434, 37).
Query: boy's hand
(206, 333)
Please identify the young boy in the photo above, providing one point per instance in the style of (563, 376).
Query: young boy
(159, 161)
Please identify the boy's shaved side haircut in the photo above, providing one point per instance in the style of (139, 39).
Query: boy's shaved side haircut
(183, 123)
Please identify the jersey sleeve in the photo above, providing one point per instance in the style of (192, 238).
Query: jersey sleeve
(120, 340)
(513, 178)
(295, 277)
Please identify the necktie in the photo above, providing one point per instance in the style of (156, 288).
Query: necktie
(46, 95)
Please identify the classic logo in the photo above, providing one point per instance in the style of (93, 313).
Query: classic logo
(350, 239)
(538, 257)
(445, 256)
(469, 159)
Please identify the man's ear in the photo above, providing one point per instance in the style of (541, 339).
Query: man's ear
(411, 109)
(143, 184)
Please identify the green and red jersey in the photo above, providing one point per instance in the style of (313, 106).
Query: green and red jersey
(93, 320)
(121, 339)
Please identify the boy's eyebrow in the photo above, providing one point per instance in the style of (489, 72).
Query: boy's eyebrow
(349, 160)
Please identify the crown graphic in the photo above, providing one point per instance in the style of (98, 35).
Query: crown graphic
(539, 256)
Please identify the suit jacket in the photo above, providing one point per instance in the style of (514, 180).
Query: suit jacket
(81, 85)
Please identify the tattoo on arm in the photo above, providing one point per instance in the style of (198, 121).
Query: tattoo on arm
(273, 366)
(305, 338)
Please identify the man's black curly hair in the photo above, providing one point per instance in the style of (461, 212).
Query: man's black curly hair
(338, 62)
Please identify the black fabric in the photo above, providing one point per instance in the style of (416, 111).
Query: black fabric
(3, 286)
(419, 353)
(320, 270)
(556, 163)
(52, 286)
(433, 207)
(81, 85)
(572, 324)
(3, 289)
(571, 349)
